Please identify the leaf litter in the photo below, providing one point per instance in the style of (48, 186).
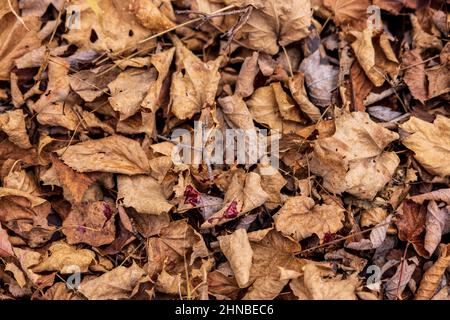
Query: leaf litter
(90, 186)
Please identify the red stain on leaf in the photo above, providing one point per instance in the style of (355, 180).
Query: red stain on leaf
(191, 196)
(107, 211)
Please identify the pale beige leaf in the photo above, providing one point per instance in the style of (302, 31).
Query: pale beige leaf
(236, 247)
(116, 284)
(435, 223)
(430, 143)
(301, 218)
(115, 154)
(13, 124)
(143, 193)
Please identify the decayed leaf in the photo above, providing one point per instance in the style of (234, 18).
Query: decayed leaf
(352, 159)
(432, 277)
(397, 283)
(421, 39)
(435, 224)
(430, 143)
(247, 74)
(115, 154)
(300, 218)
(26, 219)
(13, 124)
(376, 238)
(375, 56)
(437, 195)
(197, 86)
(19, 276)
(411, 225)
(273, 23)
(312, 286)
(128, 91)
(143, 193)
(415, 76)
(271, 252)
(177, 243)
(321, 78)
(116, 284)
(110, 38)
(16, 40)
(91, 223)
(28, 259)
(91, 84)
(63, 257)
(272, 181)
(75, 184)
(6, 249)
(236, 247)
(239, 199)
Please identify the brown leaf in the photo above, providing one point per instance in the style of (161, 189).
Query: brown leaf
(348, 12)
(432, 277)
(272, 23)
(301, 218)
(415, 76)
(437, 195)
(115, 154)
(411, 225)
(236, 247)
(13, 124)
(352, 159)
(312, 286)
(247, 75)
(6, 249)
(397, 283)
(435, 224)
(430, 143)
(63, 257)
(143, 193)
(91, 223)
(297, 88)
(116, 284)
(150, 16)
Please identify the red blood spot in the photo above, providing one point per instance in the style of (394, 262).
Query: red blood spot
(107, 211)
(328, 237)
(81, 229)
(231, 212)
(191, 196)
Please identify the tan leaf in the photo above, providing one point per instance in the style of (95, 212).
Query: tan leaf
(421, 39)
(150, 16)
(239, 199)
(398, 282)
(432, 277)
(353, 159)
(348, 12)
(91, 223)
(143, 193)
(247, 75)
(91, 84)
(6, 249)
(375, 55)
(372, 216)
(438, 80)
(115, 154)
(272, 181)
(63, 257)
(437, 195)
(19, 276)
(236, 247)
(312, 286)
(430, 143)
(110, 38)
(16, 40)
(116, 284)
(263, 108)
(300, 218)
(297, 88)
(128, 91)
(13, 124)
(28, 259)
(273, 23)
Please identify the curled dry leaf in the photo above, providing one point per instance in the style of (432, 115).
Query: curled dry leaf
(432, 277)
(64, 257)
(353, 159)
(313, 286)
(115, 154)
(435, 224)
(430, 143)
(91, 223)
(13, 124)
(300, 218)
(397, 283)
(116, 284)
(348, 12)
